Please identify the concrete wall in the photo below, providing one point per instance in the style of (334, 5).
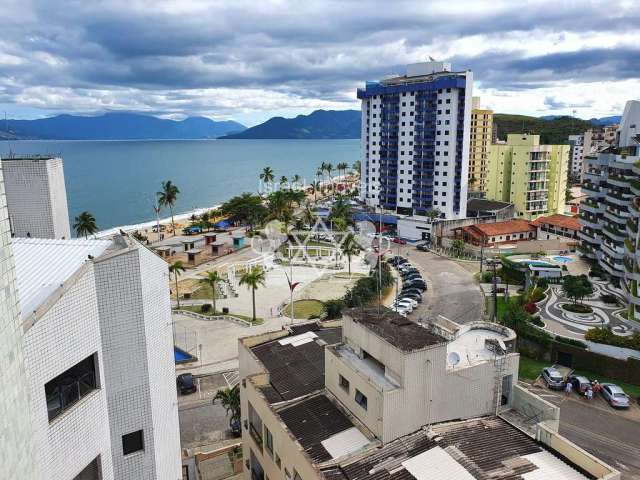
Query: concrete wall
(536, 408)
(66, 334)
(37, 198)
(575, 454)
(17, 442)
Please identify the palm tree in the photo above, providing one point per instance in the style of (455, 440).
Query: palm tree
(283, 181)
(315, 186)
(295, 180)
(307, 215)
(167, 198)
(253, 279)
(329, 169)
(342, 166)
(205, 220)
(176, 268)
(356, 166)
(349, 248)
(85, 225)
(230, 400)
(212, 279)
(267, 175)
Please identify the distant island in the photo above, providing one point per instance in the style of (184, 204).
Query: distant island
(116, 126)
(320, 124)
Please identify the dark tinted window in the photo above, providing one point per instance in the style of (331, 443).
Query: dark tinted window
(132, 442)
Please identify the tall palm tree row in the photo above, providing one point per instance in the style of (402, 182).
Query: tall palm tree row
(167, 197)
(176, 268)
(85, 225)
(253, 279)
(267, 175)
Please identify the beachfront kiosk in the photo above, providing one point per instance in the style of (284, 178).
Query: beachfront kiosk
(163, 251)
(193, 255)
(238, 239)
(210, 237)
(217, 248)
(190, 243)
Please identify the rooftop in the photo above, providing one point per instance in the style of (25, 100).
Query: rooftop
(44, 265)
(482, 205)
(558, 220)
(501, 228)
(27, 156)
(323, 430)
(296, 362)
(395, 329)
(465, 450)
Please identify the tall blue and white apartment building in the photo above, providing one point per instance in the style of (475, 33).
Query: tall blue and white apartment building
(415, 141)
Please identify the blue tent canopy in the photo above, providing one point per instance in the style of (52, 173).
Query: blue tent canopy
(222, 224)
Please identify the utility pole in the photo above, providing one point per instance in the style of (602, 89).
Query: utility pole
(495, 293)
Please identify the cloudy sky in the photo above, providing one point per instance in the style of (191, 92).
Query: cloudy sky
(250, 60)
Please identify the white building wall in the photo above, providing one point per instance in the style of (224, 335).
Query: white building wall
(133, 402)
(17, 442)
(66, 334)
(160, 357)
(36, 197)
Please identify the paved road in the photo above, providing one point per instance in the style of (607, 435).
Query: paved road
(608, 434)
(452, 290)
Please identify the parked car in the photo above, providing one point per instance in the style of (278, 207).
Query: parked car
(580, 383)
(399, 241)
(236, 428)
(186, 384)
(417, 284)
(553, 378)
(411, 301)
(412, 276)
(400, 310)
(414, 296)
(191, 230)
(404, 304)
(615, 395)
(411, 291)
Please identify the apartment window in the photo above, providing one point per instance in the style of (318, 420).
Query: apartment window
(344, 383)
(361, 399)
(132, 442)
(268, 440)
(70, 386)
(278, 461)
(255, 426)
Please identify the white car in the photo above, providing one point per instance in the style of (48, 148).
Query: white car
(405, 305)
(401, 311)
(414, 303)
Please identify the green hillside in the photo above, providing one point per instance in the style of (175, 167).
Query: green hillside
(551, 131)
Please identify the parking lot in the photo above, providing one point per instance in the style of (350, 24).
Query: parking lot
(610, 434)
(452, 290)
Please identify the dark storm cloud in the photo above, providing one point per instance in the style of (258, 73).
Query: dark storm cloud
(318, 50)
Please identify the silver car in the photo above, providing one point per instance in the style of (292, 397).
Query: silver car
(615, 395)
(553, 377)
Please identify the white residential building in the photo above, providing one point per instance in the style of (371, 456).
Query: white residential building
(576, 155)
(99, 359)
(16, 433)
(415, 141)
(36, 196)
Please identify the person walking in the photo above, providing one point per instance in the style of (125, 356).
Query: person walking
(589, 394)
(567, 388)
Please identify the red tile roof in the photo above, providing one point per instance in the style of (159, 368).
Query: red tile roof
(559, 220)
(500, 228)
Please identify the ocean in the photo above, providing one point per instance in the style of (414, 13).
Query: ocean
(117, 180)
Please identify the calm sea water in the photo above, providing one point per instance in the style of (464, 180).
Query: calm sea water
(117, 180)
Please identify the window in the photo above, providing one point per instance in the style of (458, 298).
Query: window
(268, 440)
(70, 386)
(361, 399)
(278, 461)
(132, 442)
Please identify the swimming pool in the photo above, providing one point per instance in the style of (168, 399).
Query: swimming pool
(181, 356)
(562, 259)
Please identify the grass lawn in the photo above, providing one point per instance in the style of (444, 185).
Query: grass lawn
(502, 305)
(530, 370)
(198, 309)
(304, 309)
(346, 275)
(203, 293)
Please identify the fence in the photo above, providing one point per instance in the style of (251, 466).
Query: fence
(230, 318)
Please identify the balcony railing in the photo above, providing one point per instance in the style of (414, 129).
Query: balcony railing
(68, 391)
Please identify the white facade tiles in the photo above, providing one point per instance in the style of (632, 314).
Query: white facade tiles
(17, 436)
(37, 197)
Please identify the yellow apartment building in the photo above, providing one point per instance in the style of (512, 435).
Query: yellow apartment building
(480, 143)
(531, 176)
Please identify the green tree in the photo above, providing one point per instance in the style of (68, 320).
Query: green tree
(350, 247)
(295, 180)
(246, 208)
(253, 279)
(307, 215)
(457, 247)
(212, 279)
(267, 175)
(356, 166)
(315, 187)
(230, 399)
(341, 209)
(85, 225)
(576, 287)
(167, 197)
(176, 268)
(433, 213)
(205, 217)
(283, 181)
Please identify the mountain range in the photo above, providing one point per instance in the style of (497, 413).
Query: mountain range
(320, 124)
(117, 126)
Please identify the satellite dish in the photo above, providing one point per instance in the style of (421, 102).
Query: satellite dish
(453, 358)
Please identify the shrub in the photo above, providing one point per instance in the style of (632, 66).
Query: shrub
(536, 295)
(487, 277)
(536, 321)
(205, 308)
(608, 298)
(542, 283)
(607, 337)
(571, 341)
(577, 308)
(531, 308)
(332, 309)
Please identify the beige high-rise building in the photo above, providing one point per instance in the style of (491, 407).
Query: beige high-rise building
(480, 143)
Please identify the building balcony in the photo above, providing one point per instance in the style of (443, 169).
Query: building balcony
(591, 189)
(618, 181)
(613, 250)
(592, 223)
(592, 207)
(613, 269)
(614, 234)
(616, 216)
